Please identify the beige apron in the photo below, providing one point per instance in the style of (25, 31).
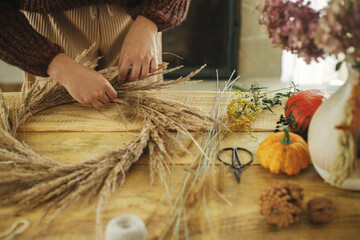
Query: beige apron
(79, 28)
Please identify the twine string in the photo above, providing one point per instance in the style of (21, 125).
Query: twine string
(17, 228)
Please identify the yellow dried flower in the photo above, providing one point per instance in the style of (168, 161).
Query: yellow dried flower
(243, 110)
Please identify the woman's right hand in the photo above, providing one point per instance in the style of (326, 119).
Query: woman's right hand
(85, 85)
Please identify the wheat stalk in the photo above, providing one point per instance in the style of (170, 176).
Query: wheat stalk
(29, 180)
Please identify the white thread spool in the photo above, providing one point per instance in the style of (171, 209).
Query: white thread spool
(126, 227)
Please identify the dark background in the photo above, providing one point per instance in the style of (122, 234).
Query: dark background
(209, 35)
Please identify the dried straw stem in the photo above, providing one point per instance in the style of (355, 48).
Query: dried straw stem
(200, 178)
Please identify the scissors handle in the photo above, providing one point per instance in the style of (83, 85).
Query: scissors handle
(223, 150)
(235, 155)
(244, 149)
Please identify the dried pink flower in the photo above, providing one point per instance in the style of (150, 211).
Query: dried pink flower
(291, 26)
(339, 30)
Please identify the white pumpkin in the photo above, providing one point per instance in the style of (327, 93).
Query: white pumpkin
(323, 137)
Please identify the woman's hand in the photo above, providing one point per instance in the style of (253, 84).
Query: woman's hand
(138, 52)
(85, 85)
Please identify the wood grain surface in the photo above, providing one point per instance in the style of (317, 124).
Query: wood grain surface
(70, 133)
(114, 117)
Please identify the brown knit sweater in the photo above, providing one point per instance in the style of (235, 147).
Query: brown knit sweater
(22, 46)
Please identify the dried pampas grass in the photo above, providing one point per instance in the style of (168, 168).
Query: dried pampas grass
(202, 176)
(29, 180)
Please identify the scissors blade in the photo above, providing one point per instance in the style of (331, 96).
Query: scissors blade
(238, 174)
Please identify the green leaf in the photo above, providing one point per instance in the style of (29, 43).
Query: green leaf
(268, 108)
(238, 88)
(266, 100)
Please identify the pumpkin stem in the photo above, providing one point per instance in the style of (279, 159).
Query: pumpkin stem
(286, 140)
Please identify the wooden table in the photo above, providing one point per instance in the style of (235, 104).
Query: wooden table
(71, 132)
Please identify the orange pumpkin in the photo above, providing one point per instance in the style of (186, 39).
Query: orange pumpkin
(300, 108)
(284, 152)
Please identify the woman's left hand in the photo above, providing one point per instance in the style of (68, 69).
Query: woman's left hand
(138, 56)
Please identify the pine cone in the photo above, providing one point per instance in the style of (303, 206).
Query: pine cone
(281, 204)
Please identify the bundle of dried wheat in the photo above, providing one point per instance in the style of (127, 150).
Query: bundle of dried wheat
(29, 180)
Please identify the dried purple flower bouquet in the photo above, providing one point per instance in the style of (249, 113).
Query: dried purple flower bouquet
(296, 27)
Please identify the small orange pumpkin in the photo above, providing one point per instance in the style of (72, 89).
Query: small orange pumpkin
(284, 152)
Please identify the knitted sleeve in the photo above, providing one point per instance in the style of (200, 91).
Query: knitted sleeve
(164, 13)
(21, 45)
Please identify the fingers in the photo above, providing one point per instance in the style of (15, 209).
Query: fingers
(104, 99)
(153, 65)
(110, 92)
(97, 104)
(145, 70)
(101, 98)
(86, 104)
(124, 67)
(132, 70)
(88, 86)
(135, 72)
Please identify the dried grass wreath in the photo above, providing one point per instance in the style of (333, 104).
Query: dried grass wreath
(28, 180)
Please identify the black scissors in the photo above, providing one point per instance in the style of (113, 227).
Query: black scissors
(235, 155)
